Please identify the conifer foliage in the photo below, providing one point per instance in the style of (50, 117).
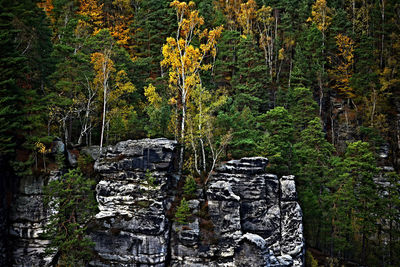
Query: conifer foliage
(71, 206)
(313, 85)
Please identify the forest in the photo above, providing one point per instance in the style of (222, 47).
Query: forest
(313, 85)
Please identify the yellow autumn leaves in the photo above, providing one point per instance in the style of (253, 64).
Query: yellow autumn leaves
(181, 57)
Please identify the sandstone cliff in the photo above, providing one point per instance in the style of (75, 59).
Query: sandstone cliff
(244, 217)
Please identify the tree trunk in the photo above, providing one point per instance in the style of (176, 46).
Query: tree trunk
(182, 135)
(104, 118)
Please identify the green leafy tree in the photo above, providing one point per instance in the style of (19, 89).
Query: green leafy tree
(390, 219)
(225, 61)
(26, 65)
(154, 22)
(309, 63)
(301, 106)
(10, 92)
(246, 137)
(71, 205)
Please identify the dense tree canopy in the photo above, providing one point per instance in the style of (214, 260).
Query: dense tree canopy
(312, 85)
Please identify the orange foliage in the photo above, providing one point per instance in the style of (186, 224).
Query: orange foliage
(47, 6)
(93, 12)
(344, 69)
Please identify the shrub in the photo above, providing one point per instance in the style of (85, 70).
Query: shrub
(183, 212)
(190, 187)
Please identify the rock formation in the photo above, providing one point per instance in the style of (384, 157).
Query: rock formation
(133, 228)
(244, 217)
(27, 218)
(256, 219)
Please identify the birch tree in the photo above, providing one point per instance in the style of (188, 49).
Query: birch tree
(184, 60)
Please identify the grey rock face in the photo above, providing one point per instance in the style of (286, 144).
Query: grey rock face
(257, 220)
(28, 217)
(245, 217)
(132, 227)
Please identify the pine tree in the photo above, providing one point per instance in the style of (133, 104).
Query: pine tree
(249, 81)
(11, 93)
(390, 217)
(246, 136)
(154, 22)
(313, 154)
(183, 212)
(71, 205)
(355, 201)
(301, 106)
(26, 50)
(277, 143)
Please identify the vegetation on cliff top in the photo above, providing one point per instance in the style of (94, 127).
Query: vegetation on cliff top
(312, 85)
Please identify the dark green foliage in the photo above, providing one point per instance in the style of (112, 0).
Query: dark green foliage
(313, 154)
(250, 81)
(245, 135)
(158, 119)
(71, 206)
(355, 202)
(60, 160)
(277, 142)
(183, 212)
(301, 106)
(46, 73)
(154, 22)
(390, 198)
(225, 63)
(25, 67)
(190, 187)
(10, 72)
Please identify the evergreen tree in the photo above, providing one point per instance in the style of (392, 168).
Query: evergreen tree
(249, 81)
(301, 106)
(277, 142)
(246, 136)
(390, 219)
(71, 205)
(26, 64)
(355, 202)
(313, 154)
(154, 22)
(183, 212)
(11, 93)
(190, 187)
(225, 64)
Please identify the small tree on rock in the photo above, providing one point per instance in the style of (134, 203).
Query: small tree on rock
(72, 203)
(183, 212)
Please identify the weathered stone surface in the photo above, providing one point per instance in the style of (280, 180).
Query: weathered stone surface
(292, 242)
(245, 217)
(27, 219)
(288, 188)
(256, 219)
(132, 227)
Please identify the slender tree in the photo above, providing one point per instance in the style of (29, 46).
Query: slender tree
(184, 60)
